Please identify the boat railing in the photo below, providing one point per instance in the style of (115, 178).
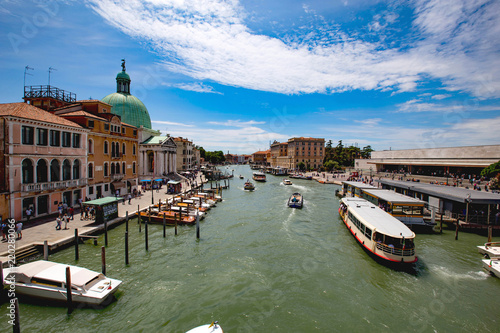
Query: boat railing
(398, 252)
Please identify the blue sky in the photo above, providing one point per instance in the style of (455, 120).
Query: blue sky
(235, 75)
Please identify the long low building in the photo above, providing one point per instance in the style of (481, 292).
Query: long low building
(468, 160)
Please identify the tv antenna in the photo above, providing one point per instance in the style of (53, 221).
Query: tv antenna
(26, 73)
(51, 69)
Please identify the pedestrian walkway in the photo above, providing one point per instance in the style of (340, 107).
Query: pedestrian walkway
(45, 229)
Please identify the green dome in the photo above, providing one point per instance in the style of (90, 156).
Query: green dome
(123, 75)
(130, 108)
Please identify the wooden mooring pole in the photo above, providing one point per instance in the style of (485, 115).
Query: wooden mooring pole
(139, 216)
(175, 218)
(126, 221)
(16, 328)
(126, 248)
(45, 250)
(197, 225)
(456, 230)
(164, 227)
(103, 260)
(105, 233)
(146, 234)
(77, 255)
(490, 228)
(441, 224)
(69, 295)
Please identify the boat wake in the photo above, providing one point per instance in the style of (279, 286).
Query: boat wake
(447, 274)
(302, 188)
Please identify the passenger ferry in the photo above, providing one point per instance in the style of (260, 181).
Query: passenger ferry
(381, 234)
(259, 176)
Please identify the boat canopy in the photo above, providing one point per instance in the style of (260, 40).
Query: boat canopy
(374, 217)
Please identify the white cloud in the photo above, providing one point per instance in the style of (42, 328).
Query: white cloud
(208, 40)
(441, 96)
(197, 87)
(161, 122)
(416, 105)
(237, 123)
(369, 122)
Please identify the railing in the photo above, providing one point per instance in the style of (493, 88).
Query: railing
(48, 91)
(117, 176)
(394, 251)
(53, 185)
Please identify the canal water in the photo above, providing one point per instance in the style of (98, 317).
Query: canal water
(263, 267)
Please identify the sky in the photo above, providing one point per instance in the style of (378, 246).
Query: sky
(236, 75)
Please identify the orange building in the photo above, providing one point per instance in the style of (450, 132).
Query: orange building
(261, 157)
(44, 161)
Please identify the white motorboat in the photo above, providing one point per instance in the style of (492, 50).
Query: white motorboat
(490, 250)
(46, 280)
(296, 200)
(287, 181)
(212, 328)
(492, 266)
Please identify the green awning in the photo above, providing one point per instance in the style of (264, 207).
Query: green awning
(103, 201)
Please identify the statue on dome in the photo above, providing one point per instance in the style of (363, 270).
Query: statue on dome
(123, 65)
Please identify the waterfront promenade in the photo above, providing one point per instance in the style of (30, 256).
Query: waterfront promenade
(43, 229)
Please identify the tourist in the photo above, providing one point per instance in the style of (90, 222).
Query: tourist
(19, 229)
(28, 214)
(65, 207)
(86, 209)
(66, 220)
(71, 212)
(60, 209)
(129, 197)
(58, 223)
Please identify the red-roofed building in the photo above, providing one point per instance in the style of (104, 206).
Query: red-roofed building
(261, 157)
(43, 162)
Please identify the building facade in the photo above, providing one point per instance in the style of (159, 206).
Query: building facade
(185, 155)
(45, 161)
(261, 157)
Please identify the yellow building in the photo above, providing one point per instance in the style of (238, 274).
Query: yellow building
(310, 151)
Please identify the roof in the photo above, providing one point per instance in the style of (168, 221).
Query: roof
(131, 110)
(102, 201)
(260, 152)
(84, 114)
(446, 192)
(155, 140)
(359, 185)
(393, 197)
(377, 219)
(27, 111)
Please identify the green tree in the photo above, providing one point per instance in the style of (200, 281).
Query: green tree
(301, 166)
(331, 165)
(366, 152)
(493, 170)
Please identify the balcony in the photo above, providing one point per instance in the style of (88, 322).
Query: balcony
(117, 176)
(53, 185)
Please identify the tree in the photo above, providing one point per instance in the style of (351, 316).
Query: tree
(493, 170)
(331, 165)
(366, 152)
(301, 166)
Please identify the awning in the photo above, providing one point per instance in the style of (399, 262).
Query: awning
(159, 180)
(145, 180)
(118, 185)
(173, 182)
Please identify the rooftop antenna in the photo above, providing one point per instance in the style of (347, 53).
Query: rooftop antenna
(51, 69)
(26, 73)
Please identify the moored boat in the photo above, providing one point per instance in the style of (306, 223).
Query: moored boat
(490, 250)
(241, 177)
(287, 181)
(259, 176)
(171, 217)
(296, 200)
(46, 280)
(492, 266)
(212, 328)
(380, 234)
(248, 186)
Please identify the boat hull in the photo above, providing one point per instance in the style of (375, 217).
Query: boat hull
(492, 266)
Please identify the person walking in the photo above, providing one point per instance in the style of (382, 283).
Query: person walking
(28, 214)
(71, 212)
(66, 220)
(58, 223)
(19, 230)
(129, 197)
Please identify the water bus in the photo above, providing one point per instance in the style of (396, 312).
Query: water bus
(380, 234)
(259, 176)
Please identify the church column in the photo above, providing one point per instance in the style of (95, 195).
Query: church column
(165, 162)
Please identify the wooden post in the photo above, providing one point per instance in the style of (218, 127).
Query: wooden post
(164, 229)
(456, 230)
(146, 233)
(441, 224)
(149, 214)
(45, 250)
(197, 225)
(138, 214)
(175, 218)
(1, 281)
(105, 233)
(17, 326)
(103, 260)
(490, 228)
(126, 248)
(126, 221)
(69, 295)
(77, 256)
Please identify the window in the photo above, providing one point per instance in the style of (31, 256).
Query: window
(66, 139)
(133, 168)
(76, 169)
(133, 149)
(91, 146)
(106, 187)
(43, 204)
(135, 132)
(76, 140)
(113, 149)
(113, 168)
(123, 130)
(123, 168)
(91, 124)
(55, 171)
(28, 134)
(123, 148)
(66, 170)
(27, 171)
(106, 127)
(42, 136)
(105, 170)
(106, 148)
(91, 171)
(41, 172)
(91, 190)
(55, 138)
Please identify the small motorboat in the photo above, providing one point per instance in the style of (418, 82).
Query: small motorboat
(490, 250)
(248, 186)
(287, 181)
(241, 177)
(296, 201)
(46, 280)
(492, 266)
(212, 328)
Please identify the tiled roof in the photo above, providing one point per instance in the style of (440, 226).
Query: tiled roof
(84, 114)
(27, 111)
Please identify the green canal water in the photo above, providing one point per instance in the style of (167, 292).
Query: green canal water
(263, 267)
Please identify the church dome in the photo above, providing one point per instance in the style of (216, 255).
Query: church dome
(131, 110)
